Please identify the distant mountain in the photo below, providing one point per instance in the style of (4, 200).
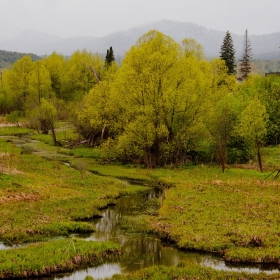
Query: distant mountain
(7, 58)
(263, 46)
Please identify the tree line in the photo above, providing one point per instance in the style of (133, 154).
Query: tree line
(165, 104)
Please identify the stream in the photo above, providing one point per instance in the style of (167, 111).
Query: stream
(144, 249)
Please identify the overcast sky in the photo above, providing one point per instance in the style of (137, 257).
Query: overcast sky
(66, 18)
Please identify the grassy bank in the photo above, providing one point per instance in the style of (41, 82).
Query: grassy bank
(43, 198)
(191, 271)
(235, 214)
(54, 257)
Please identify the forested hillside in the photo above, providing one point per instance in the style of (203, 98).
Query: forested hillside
(165, 104)
(7, 58)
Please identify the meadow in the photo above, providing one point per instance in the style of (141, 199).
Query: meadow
(235, 214)
(48, 193)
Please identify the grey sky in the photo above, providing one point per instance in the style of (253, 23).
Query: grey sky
(66, 18)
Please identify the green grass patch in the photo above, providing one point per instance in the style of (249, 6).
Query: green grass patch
(82, 152)
(119, 171)
(15, 131)
(191, 271)
(62, 136)
(221, 212)
(53, 257)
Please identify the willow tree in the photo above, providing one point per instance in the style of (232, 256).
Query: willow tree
(253, 126)
(94, 117)
(56, 65)
(142, 89)
(160, 93)
(17, 82)
(221, 122)
(78, 77)
(40, 82)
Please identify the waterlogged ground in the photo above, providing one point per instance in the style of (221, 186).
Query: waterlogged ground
(235, 214)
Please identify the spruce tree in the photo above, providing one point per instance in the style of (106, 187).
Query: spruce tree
(109, 56)
(245, 66)
(228, 53)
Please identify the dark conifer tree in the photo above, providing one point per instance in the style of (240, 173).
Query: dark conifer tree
(109, 56)
(245, 66)
(228, 53)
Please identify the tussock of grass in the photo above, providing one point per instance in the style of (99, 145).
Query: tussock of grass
(53, 257)
(135, 224)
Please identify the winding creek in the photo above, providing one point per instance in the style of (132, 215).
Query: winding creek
(144, 249)
(120, 224)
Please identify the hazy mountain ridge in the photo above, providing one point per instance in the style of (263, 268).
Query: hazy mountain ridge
(263, 46)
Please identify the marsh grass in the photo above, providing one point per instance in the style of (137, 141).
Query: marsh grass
(135, 224)
(15, 131)
(235, 214)
(46, 198)
(191, 271)
(53, 257)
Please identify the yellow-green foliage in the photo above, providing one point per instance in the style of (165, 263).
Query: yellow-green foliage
(216, 212)
(56, 256)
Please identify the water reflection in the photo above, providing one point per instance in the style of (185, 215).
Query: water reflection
(100, 272)
(219, 264)
(139, 249)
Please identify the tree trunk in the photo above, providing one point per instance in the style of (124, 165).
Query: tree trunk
(259, 157)
(56, 143)
(222, 155)
(157, 153)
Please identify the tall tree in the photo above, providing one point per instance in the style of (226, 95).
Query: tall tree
(228, 53)
(220, 123)
(17, 82)
(245, 66)
(109, 56)
(40, 82)
(253, 126)
(56, 65)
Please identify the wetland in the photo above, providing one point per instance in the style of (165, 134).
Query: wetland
(223, 224)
